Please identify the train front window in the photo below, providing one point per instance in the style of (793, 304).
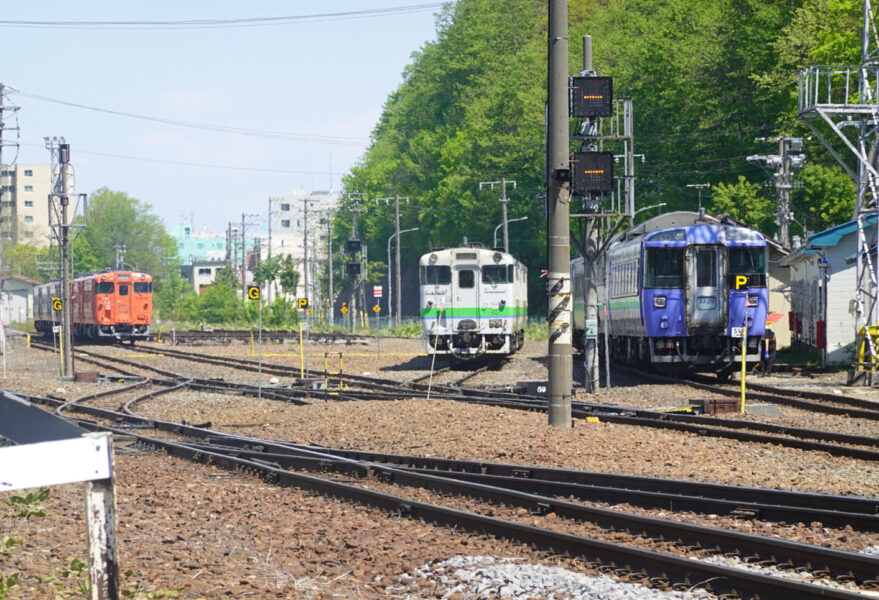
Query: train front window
(492, 274)
(466, 279)
(105, 287)
(123, 289)
(143, 287)
(436, 275)
(664, 268)
(748, 261)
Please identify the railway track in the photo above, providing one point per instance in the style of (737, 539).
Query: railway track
(226, 336)
(656, 561)
(368, 388)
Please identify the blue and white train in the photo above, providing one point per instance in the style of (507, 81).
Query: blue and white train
(474, 301)
(675, 292)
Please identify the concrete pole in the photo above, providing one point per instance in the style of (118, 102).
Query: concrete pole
(269, 285)
(399, 296)
(66, 325)
(590, 346)
(504, 202)
(243, 261)
(330, 259)
(558, 218)
(784, 194)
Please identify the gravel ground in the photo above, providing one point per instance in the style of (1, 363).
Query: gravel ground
(215, 534)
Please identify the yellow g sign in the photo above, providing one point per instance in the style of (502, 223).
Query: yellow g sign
(56, 303)
(253, 292)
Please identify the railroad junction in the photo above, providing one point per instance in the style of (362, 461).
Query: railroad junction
(270, 479)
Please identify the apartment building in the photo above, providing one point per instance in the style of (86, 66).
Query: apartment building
(24, 212)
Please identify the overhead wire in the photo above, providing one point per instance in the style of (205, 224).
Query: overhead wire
(279, 135)
(224, 23)
(193, 164)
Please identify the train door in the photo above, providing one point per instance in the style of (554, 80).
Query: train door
(123, 302)
(466, 293)
(705, 298)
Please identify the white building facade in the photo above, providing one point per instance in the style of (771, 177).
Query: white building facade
(25, 204)
(823, 280)
(297, 219)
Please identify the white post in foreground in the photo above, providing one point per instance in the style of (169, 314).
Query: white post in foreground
(88, 458)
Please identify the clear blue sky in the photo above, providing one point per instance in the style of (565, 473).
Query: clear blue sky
(326, 78)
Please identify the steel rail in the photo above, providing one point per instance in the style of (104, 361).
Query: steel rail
(658, 564)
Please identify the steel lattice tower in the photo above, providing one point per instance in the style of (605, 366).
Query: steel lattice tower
(846, 98)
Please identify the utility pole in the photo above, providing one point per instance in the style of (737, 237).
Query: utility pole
(558, 214)
(60, 224)
(399, 283)
(3, 110)
(244, 225)
(504, 200)
(700, 187)
(269, 286)
(784, 163)
(354, 252)
(120, 255)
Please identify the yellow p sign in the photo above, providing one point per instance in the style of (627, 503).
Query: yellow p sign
(253, 292)
(741, 281)
(303, 302)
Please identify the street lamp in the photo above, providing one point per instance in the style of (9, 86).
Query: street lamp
(661, 204)
(501, 225)
(390, 279)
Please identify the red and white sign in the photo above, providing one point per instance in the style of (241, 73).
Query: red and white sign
(377, 291)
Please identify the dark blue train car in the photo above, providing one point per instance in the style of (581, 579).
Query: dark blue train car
(674, 292)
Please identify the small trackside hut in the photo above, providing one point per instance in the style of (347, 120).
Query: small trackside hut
(474, 301)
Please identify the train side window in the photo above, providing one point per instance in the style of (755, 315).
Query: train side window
(123, 289)
(104, 287)
(466, 279)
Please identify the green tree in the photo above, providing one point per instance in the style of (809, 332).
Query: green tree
(288, 275)
(170, 295)
(828, 198)
(744, 202)
(116, 219)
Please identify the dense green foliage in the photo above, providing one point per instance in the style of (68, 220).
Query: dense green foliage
(706, 77)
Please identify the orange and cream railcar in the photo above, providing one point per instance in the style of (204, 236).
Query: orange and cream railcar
(113, 306)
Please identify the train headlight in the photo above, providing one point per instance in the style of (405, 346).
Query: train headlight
(497, 257)
(753, 300)
(495, 323)
(658, 301)
(433, 258)
(429, 303)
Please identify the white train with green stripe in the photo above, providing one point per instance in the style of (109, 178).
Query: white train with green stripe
(474, 301)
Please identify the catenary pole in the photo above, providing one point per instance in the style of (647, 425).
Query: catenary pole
(67, 334)
(558, 212)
